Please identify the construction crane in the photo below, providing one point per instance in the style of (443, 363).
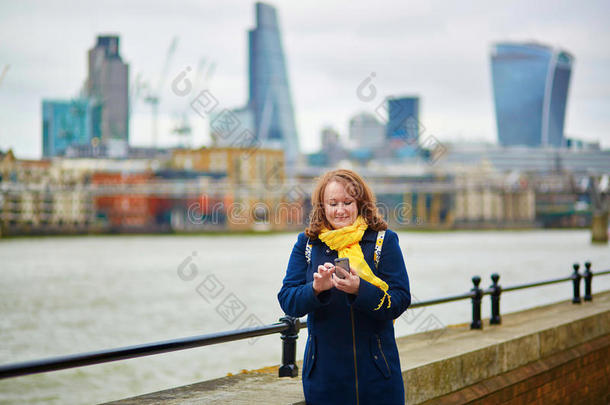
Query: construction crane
(4, 70)
(183, 128)
(135, 88)
(153, 97)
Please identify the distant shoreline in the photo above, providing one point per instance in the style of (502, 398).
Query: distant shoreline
(273, 232)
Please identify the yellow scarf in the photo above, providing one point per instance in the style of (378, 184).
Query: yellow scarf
(346, 242)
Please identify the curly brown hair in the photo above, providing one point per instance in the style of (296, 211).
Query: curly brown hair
(357, 188)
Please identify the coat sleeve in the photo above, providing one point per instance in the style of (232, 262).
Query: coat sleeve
(296, 296)
(392, 270)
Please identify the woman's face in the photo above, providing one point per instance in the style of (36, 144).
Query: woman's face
(340, 208)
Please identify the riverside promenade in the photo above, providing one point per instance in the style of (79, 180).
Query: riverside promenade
(551, 354)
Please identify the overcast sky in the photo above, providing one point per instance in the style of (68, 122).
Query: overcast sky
(437, 50)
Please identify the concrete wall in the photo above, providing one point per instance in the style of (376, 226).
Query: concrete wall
(579, 375)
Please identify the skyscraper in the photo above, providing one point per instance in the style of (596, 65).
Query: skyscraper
(270, 100)
(108, 85)
(403, 119)
(530, 83)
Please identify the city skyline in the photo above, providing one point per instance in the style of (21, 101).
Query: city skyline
(438, 51)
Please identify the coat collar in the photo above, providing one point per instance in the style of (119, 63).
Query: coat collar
(369, 236)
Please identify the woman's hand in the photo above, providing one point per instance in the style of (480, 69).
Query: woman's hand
(350, 284)
(322, 279)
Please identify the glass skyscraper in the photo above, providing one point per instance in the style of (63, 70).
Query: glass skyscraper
(67, 123)
(403, 119)
(269, 93)
(530, 83)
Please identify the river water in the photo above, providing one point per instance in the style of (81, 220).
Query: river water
(62, 295)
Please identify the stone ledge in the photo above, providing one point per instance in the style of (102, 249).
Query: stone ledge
(538, 380)
(461, 357)
(434, 363)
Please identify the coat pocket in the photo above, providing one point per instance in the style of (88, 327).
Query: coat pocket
(310, 356)
(379, 357)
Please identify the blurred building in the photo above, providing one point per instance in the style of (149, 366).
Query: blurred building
(468, 198)
(269, 93)
(525, 159)
(253, 195)
(580, 144)
(39, 197)
(250, 167)
(108, 85)
(530, 83)
(239, 134)
(403, 119)
(331, 153)
(366, 132)
(124, 210)
(332, 146)
(68, 123)
(487, 198)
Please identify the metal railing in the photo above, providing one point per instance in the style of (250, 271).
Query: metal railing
(495, 291)
(289, 328)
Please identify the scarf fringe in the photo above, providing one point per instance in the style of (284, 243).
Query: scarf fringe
(385, 294)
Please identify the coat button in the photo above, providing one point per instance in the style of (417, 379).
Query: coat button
(327, 251)
(375, 357)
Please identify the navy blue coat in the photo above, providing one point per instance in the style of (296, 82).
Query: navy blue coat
(351, 355)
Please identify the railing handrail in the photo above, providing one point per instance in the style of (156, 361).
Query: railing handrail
(289, 328)
(536, 284)
(442, 300)
(489, 291)
(146, 349)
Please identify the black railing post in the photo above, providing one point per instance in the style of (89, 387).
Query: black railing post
(576, 282)
(289, 337)
(476, 304)
(588, 278)
(495, 300)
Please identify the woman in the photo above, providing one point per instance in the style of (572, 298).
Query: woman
(351, 355)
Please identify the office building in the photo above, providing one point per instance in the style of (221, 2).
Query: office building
(108, 85)
(233, 129)
(332, 146)
(403, 120)
(269, 88)
(366, 132)
(530, 83)
(68, 123)
(526, 159)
